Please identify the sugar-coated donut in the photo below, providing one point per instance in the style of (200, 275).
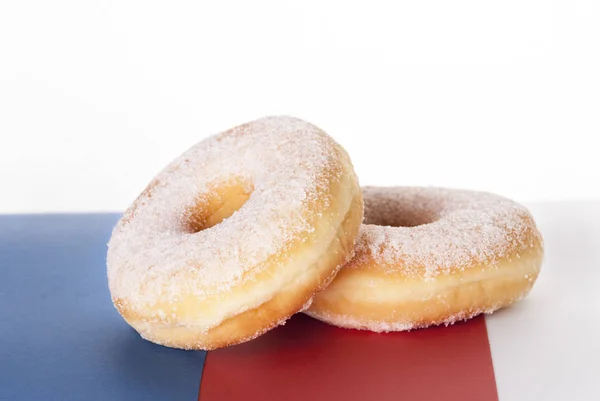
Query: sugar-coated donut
(235, 235)
(432, 256)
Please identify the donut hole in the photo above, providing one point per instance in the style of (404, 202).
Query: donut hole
(409, 213)
(220, 203)
(404, 220)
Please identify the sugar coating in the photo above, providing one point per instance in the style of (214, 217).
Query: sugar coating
(381, 326)
(352, 322)
(424, 232)
(289, 165)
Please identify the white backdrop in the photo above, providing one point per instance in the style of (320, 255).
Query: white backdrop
(96, 97)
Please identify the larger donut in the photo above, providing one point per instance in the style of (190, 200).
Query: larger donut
(432, 256)
(235, 235)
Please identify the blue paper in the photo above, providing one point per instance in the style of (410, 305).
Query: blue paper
(60, 336)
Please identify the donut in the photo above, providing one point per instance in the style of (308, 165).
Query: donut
(429, 256)
(235, 235)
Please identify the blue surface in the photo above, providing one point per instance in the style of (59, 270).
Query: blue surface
(60, 336)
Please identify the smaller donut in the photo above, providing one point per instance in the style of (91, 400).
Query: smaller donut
(430, 256)
(235, 235)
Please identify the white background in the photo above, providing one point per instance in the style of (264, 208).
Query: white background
(96, 97)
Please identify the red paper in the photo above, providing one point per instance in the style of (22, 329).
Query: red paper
(310, 360)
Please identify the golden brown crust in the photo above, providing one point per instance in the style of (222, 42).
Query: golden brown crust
(372, 295)
(254, 322)
(458, 298)
(235, 235)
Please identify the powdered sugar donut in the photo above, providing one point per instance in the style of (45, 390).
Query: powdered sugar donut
(235, 235)
(430, 256)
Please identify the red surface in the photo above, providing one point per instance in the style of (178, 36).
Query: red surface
(309, 360)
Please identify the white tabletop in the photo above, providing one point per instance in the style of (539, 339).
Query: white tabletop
(546, 347)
